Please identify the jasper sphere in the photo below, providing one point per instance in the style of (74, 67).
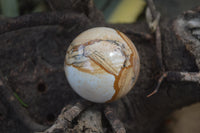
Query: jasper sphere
(102, 64)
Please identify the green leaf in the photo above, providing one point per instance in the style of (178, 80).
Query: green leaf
(20, 100)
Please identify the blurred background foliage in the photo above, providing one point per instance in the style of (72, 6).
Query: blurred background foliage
(121, 11)
(115, 11)
(13, 8)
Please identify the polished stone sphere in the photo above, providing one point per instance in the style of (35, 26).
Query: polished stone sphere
(102, 64)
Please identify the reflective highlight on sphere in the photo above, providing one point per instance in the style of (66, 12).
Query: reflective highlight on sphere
(102, 64)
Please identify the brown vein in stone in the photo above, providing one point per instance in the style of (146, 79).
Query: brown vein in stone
(76, 48)
(96, 57)
(100, 65)
(117, 78)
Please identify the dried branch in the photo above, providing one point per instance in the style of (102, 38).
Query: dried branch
(152, 8)
(159, 49)
(38, 19)
(116, 124)
(142, 35)
(156, 18)
(67, 115)
(184, 76)
(90, 121)
(187, 29)
(164, 75)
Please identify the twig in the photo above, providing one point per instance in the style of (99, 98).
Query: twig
(152, 7)
(159, 49)
(9, 100)
(164, 75)
(38, 19)
(156, 17)
(143, 35)
(67, 115)
(116, 124)
(51, 5)
(177, 76)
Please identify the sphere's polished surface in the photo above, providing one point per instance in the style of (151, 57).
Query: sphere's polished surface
(102, 64)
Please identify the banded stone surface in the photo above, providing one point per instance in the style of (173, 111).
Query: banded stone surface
(102, 64)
